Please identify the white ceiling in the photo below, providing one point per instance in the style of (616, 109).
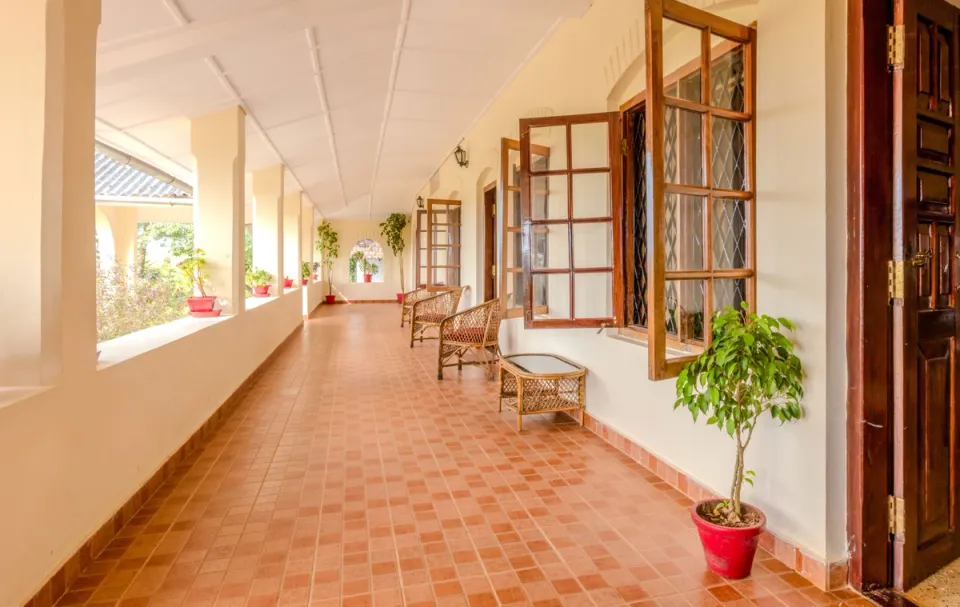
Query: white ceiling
(360, 99)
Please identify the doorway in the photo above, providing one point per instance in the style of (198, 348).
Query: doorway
(902, 471)
(490, 242)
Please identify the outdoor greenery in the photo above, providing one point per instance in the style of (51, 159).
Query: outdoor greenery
(749, 369)
(128, 302)
(392, 229)
(328, 244)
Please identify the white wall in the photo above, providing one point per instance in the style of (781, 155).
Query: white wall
(351, 231)
(593, 64)
(72, 455)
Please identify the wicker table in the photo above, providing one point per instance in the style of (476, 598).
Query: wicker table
(541, 383)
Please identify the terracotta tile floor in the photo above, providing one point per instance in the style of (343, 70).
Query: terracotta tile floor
(349, 476)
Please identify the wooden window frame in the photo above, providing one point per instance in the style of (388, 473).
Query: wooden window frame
(421, 282)
(612, 119)
(656, 101)
(431, 202)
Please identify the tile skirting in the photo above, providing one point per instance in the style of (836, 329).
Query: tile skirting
(57, 585)
(825, 576)
(366, 301)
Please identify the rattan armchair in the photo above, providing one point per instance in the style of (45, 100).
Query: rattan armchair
(429, 313)
(409, 299)
(475, 329)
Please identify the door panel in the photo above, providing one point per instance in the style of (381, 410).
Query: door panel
(925, 319)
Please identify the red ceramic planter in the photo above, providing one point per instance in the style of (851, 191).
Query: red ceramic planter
(303, 281)
(202, 307)
(399, 297)
(287, 283)
(331, 299)
(368, 278)
(315, 277)
(729, 550)
(262, 291)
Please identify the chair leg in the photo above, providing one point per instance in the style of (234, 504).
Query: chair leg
(440, 362)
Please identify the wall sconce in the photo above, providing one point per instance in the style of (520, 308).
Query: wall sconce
(461, 156)
(419, 202)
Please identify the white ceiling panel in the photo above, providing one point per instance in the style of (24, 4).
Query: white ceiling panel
(123, 19)
(211, 10)
(446, 71)
(275, 64)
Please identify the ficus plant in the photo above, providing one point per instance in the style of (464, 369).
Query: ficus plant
(392, 229)
(328, 244)
(192, 265)
(749, 370)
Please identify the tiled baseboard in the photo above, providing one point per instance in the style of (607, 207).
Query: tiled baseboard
(51, 592)
(366, 301)
(825, 576)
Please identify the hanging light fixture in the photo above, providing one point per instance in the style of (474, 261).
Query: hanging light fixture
(461, 156)
(419, 202)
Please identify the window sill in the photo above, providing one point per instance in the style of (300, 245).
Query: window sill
(133, 345)
(11, 396)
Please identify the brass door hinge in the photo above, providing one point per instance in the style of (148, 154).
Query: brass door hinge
(493, 210)
(895, 279)
(896, 517)
(493, 271)
(623, 147)
(896, 47)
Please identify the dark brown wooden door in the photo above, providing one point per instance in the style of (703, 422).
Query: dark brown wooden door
(490, 243)
(925, 317)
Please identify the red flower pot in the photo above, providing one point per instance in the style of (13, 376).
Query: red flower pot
(303, 281)
(729, 550)
(287, 283)
(331, 299)
(261, 291)
(399, 297)
(202, 307)
(368, 278)
(315, 277)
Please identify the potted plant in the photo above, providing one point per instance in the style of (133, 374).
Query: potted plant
(749, 370)
(328, 244)
(259, 281)
(287, 283)
(316, 268)
(392, 229)
(355, 264)
(305, 273)
(369, 269)
(192, 266)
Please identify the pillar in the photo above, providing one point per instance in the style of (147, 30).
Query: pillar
(47, 238)
(291, 237)
(218, 142)
(123, 226)
(307, 230)
(268, 224)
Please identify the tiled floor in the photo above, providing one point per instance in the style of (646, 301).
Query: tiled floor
(350, 476)
(942, 589)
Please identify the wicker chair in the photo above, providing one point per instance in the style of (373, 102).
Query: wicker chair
(429, 313)
(475, 329)
(407, 304)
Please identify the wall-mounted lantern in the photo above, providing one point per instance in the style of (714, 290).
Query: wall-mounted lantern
(419, 202)
(460, 155)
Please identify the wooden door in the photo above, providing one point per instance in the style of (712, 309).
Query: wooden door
(925, 312)
(490, 242)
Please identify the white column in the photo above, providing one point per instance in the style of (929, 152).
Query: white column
(218, 142)
(47, 239)
(123, 226)
(291, 236)
(268, 224)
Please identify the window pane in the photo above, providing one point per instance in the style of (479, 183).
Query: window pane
(593, 294)
(549, 197)
(684, 307)
(446, 277)
(446, 256)
(593, 245)
(729, 292)
(514, 244)
(551, 296)
(551, 247)
(729, 234)
(591, 195)
(446, 235)
(555, 139)
(726, 76)
(590, 145)
(728, 158)
(682, 52)
(639, 252)
(683, 222)
(683, 147)
(513, 212)
(513, 167)
(514, 289)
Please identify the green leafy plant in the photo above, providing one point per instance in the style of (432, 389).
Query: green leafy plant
(328, 244)
(356, 263)
(748, 370)
(257, 277)
(192, 265)
(392, 229)
(305, 270)
(370, 267)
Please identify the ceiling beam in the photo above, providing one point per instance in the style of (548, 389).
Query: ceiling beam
(325, 108)
(391, 88)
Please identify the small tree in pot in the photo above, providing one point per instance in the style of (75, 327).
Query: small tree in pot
(192, 265)
(369, 269)
(259, 281)
(748, 370)
(392, 229)
(328, 244)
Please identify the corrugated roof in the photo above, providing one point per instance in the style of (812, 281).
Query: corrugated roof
(115, 179)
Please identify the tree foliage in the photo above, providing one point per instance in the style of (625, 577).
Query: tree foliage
(128, 302)
(748, 370)
(328, 244)
(392, 229)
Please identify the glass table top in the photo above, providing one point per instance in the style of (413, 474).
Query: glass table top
(541, 364)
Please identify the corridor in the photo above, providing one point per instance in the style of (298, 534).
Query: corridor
(350, 476)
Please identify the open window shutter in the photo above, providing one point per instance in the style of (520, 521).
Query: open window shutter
(443, 244)
(570, 210)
